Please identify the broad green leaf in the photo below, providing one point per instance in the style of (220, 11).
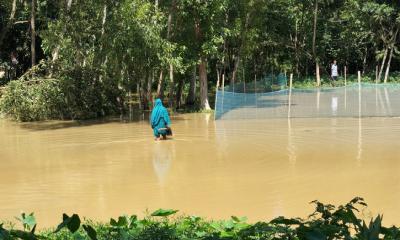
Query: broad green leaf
(72, 223)
(163, 212)
(29, 221)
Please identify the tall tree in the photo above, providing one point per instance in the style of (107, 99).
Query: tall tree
(314, 43)
(33, 33)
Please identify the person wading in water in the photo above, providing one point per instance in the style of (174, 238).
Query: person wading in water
(160, 121)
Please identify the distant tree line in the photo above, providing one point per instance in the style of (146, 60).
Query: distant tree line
(180, 49)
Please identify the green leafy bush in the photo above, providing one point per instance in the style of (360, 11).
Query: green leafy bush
(77, 95)
(34, 100)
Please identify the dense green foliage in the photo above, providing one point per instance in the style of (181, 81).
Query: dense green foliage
(107, 51)
(75, 96)
(325, 223)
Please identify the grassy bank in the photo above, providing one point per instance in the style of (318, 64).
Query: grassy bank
(309, 82)
(326, 222)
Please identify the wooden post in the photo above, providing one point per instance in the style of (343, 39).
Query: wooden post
(345, 99)
(345, 75)
(218, 78)
(223, 82)
(233, 84)
(290, 95)
(139, 95)
(255, 84)
(216, 94)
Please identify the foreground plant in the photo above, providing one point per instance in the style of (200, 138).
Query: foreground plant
(325, 223)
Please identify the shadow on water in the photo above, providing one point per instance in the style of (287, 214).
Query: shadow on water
(123, 119)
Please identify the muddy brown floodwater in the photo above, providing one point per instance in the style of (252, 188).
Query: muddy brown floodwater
(215, 169)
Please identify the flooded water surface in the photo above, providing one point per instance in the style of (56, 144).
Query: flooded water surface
(256, 168)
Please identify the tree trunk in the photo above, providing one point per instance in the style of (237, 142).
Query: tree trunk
(394, 40)
(102, 62)
(388, 65)
(237, 59)
(314, 44)
(69, 4)
(139, 94)
(297, 50)
(365, 61)
(382, 65)
(57, 49)
(149, 85)
(33, 33)
(235, 69)
(171, 87)
(143, 92)
(160, 86)
(204, 104)
(179, 92)
(317, 73)
(192, 88)
(10, 22)
(171, 67)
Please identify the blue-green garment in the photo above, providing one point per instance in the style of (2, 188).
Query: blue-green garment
(159, 118)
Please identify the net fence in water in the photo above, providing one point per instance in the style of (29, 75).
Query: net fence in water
(358, 100)
(268, 83)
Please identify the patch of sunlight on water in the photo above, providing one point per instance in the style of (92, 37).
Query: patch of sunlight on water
(255, 168)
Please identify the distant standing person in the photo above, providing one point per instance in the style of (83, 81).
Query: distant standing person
(334, 71)
(160, 121)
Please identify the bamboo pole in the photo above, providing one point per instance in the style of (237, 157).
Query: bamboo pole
(255, 94)
(359, 145)
(244, 80)
(217, 86)
(359, 94)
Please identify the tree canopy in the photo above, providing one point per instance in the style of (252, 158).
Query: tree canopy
(180, 49)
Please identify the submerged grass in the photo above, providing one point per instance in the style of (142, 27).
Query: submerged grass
(325, 223)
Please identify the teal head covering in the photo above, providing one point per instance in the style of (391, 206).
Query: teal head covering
(159, 114)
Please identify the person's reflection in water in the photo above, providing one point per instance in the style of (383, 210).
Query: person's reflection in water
(162, 158)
